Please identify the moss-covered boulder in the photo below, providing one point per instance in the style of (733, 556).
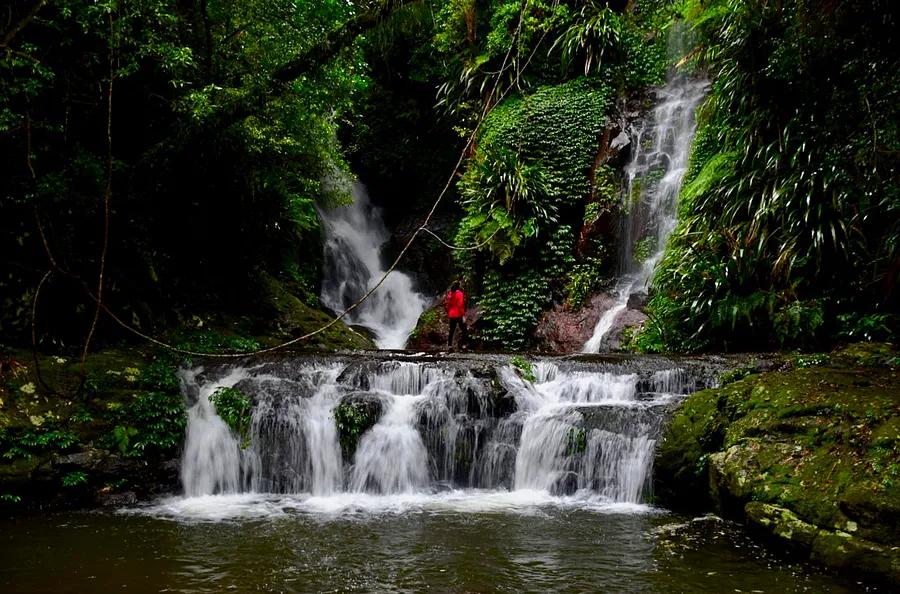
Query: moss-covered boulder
(355, 415)
(818, 442)
(433, 327)
(287, 316)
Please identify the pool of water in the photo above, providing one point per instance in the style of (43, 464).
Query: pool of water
(464, 541)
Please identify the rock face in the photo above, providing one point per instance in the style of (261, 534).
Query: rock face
(565, 330)
(809, 456)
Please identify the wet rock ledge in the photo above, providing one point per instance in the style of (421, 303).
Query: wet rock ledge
(808, 457)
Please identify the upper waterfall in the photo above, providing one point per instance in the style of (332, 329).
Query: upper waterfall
(354, 236)
(653, 181)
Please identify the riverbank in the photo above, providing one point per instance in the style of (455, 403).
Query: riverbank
(807, 457)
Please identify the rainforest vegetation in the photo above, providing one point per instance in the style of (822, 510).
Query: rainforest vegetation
(168, 171)
(165, 158)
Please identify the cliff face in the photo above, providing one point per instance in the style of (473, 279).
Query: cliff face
(809, 455)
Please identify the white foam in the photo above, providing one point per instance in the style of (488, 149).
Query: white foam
(470, 501)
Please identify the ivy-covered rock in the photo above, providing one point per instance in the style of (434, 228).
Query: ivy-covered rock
(355, 415)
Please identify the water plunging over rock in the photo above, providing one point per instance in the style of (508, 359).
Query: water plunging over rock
(654, 176)
(354, 236)
(579, 428)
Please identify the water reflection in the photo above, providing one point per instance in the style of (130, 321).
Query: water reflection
(551, 548)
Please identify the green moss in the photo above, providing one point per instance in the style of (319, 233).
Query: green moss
(426, 321)
(804, 439)
(291, 317)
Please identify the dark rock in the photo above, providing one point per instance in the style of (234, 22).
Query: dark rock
(105, 498)
(637, 300)
(566, 484)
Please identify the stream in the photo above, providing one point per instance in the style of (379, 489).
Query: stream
(441, 547)
(471, 474)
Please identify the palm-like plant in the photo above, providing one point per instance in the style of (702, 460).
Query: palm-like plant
(594, 31)
(506, 198)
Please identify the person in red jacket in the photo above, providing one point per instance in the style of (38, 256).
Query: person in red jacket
(456, 313)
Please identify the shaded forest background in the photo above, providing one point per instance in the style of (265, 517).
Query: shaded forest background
(201, 135)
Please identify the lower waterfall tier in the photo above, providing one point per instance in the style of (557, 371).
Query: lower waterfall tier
(399, 427)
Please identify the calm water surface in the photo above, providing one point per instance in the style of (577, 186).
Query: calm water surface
(451, 543)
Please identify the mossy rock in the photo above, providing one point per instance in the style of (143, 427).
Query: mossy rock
(820, 442)
(681, 468)
(288, 317)
(354, 416)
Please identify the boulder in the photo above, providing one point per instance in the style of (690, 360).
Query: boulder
(807, 455)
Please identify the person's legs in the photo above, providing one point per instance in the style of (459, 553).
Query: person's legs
(453, 323)
(463, 333)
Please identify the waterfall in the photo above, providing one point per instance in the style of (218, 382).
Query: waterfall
(653, 182)
(354, 236)
(579, 430)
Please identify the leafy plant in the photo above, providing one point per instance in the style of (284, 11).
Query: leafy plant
(152, 424)
(584, 279)
(352, 420)
(595, 31)
(121, 437)
(524, 368)
(576, 442)
(236, 409)
(75, 478)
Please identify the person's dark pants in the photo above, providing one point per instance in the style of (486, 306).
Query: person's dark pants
(454, 322)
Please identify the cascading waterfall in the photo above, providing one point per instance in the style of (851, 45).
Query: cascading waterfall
(654, 175)
(586, 434)
(354, 236)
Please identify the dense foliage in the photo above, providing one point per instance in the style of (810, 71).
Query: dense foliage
(533, 181)
(790, 216)
(180, 117)
(178, 150)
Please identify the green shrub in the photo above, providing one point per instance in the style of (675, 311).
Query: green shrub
(584, 279)
(151, 424)
(160, 374)
(236, 409)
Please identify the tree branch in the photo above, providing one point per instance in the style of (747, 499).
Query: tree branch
(23, 22)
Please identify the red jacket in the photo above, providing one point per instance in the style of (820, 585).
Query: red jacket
(456, 304)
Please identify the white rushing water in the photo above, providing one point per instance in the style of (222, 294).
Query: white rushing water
(444, 438)
(654, 175)
(354, 236)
